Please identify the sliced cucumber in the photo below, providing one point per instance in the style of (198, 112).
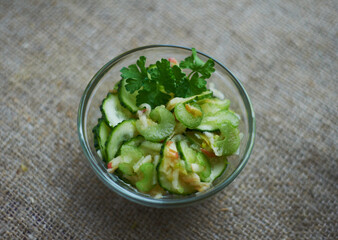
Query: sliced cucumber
(127, 99)
(124, 131)
(205, 172)
(101, 132)
(136, 141)
(199, 139)
(147, 182)
(160, 125)
(228, 141)
(169, 171)
(173, 102)
(213, 105)
(186, 153)
(151, 148)
(130, 155)
(213, 122)
(218, 166)
(190, 114)
(195, 161)
(112, 110)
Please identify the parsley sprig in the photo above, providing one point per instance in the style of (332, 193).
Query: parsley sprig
(158, 83)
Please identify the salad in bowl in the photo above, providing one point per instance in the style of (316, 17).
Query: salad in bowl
(166, 134)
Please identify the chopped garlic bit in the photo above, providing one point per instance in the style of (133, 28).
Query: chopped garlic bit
(211, 137)
(143, 118)
(203, 186)
(196, 167)
(157, 192)
(156, 160)
(172, 103)
(147, 107)
(175, 179)
(143, 160)
(195, 181)
(158, 196)
(115, 164)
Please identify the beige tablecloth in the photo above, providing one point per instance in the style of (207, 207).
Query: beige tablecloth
(285, 54)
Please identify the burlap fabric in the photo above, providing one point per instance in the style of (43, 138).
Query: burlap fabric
(284, 52)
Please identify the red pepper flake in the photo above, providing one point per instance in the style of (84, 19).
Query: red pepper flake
(169, 143)
(206, 152)
(173, 154)
(172, 61)
(110, 165)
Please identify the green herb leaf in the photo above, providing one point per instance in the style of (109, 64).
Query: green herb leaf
(135, 76)
(165, 76)
(159, 82)
(182, 82)
(197, 84)
(197, 65)
(153, 98)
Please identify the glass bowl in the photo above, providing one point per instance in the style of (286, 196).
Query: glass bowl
(109, 74)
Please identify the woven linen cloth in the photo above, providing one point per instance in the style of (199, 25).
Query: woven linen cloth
(284, 53)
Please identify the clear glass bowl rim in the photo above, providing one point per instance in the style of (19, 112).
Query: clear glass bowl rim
(151, 202)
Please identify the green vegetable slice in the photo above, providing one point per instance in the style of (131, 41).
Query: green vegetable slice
(160, 125)
(213, 122)
(127, 99)
(211, 106)
(170, 170)
(173, 102)
(228, 141)
(101, 132)
(195, 161)
(190, 114)
(124, 131)
(218, 166)
(150, 148)
(147, 181)
(136, 141)
(130, 155)
(113, 111)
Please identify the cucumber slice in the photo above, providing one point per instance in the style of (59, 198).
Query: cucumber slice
(124, 131)
(194, 161)
(173, 102)
(150, 148)
(146, 183)
(186, 153)
(204, 95)
(218, 166)
(112, 110)
(228, 142)
(136, 141)
(127, 99)
(154, 131)
(130, 155)
(213, 122)
(213, 105)
(169, 171)
(199, 139)
(101, 132)
(190, 114)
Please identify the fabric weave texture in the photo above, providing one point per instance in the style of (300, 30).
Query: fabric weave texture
(284, 53)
